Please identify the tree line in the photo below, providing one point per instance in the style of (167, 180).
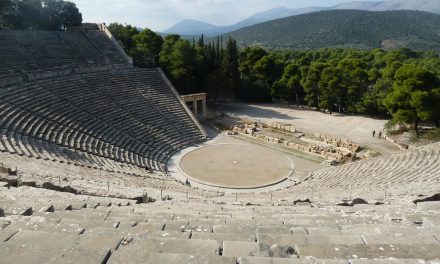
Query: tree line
(402, 84)
(38, 14)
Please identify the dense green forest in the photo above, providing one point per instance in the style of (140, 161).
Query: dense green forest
(38, 14)
(402, 83)
(345, 29)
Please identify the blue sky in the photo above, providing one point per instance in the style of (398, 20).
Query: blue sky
(162, 14)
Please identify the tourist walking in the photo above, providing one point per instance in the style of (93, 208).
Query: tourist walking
(374, 132)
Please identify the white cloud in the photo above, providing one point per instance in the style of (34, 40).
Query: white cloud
(161, 14)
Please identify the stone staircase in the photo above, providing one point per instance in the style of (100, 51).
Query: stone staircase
(84, 229)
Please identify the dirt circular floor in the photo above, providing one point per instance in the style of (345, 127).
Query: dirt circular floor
(236, 165)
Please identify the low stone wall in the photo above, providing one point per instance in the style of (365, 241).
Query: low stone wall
(335, 150)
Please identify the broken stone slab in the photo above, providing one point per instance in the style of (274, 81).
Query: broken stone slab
(256, 249)
(141, 257)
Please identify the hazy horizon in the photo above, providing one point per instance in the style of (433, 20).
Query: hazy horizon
(160, 15)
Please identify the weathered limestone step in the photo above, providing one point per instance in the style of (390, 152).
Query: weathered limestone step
(288, 239)
(6, 234)
(170, 245)
(329, 251)
(392, 261)
(255, 249)
(166, 258)
(429, 206)
(27, 247)
(15, 208)
(87, 223)
(251, 229)
(431, 222)
(220, 237)
(109, 240)
(263, 260)
(311, 221)
(148, 226)
(174, 225)
(414, 239)
(40, 224)
(255, 222)
(334, 237)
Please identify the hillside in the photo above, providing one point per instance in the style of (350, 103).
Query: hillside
(194, 27)
(346, 28)
(432, 6)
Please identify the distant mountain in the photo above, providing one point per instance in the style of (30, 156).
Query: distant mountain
(194, 27)
(346, 28)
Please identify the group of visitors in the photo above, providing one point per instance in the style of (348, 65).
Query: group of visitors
(379, 134)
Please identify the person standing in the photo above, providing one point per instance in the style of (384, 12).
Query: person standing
(374, 132)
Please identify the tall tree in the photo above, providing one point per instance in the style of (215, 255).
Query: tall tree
(167, 49)
(230, 66)
(38, 14)
(61, 13)
(289, 86)
(410, 100)
(183, 64)
(147, 46)
(124, 34)
(310, 82)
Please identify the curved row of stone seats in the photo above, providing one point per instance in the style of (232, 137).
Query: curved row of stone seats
(191, 232)
(31, 52)
(43, 50)
(101, 114)
(420, 166)
(103, 180)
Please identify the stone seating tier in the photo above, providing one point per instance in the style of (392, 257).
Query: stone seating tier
(106, 115)
(106, 230)
(30, 53)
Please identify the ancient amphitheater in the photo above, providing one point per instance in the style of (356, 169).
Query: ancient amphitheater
(103, 163)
